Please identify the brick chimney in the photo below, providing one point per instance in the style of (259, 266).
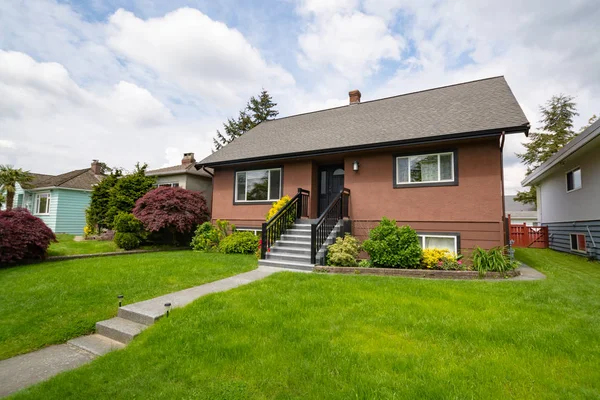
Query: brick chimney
(96, 167)
(188, 158)
(354, 96)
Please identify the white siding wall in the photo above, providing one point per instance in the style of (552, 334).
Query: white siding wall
(556, 205)
(180, 179)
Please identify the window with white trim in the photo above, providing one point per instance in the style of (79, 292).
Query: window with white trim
(432, 241)
(578, 242)
(574, 179)
(425, 168)
(42, 203)
(174, 184)
(258, 185)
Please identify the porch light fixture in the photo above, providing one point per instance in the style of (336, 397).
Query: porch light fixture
(168, 308)
(120, 297)
(355, 165)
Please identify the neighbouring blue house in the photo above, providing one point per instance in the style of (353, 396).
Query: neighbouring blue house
(61, 200)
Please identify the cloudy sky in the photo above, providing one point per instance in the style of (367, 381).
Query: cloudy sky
(146, 80)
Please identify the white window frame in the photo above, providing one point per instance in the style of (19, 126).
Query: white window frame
(578, 250)
(440, 180)
(422, 237)
(168, 184)
(567, 179)
(48, 197)
(268, 200)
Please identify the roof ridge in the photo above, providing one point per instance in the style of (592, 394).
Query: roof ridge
(80, 172)
(388, 97)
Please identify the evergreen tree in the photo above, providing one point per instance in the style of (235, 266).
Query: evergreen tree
(126, 191)
(256, 111)
(557, 124)
(96, 212)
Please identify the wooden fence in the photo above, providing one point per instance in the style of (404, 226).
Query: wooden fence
(528, 236)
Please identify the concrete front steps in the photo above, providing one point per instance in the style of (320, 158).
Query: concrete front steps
(292, 250)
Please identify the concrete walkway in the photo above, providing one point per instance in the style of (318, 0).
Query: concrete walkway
(528, 274)
(28, 369)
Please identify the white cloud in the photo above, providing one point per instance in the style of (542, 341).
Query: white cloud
(64, 126)
(203, 56)
(341, 37)
(7, 144)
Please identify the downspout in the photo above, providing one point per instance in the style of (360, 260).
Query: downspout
(593, 242)
(208, 172)
(504, 221)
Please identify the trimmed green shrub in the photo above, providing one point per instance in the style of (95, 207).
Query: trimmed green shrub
(208, 236)
(127, 240)
(365, 264)
(392, 246)
(494, 260)
(125, 222)
(129, 231)
(239, 242)
(344, 252)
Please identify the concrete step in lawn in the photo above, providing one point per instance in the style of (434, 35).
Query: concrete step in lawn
(120, 329)
(96, 344)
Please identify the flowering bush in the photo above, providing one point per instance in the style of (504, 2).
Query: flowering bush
(441, 259)
(172, 209)
(87, 230)
(23, 237)
(278, 205)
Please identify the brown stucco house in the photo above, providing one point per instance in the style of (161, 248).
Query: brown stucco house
(430, 159)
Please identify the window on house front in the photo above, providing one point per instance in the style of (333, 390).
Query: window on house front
(578, 242)
(258, 185)
(574, 179)
(168, 184)
(42, 203)
(431, 241)
(425, 168)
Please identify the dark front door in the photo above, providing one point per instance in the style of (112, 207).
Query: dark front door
(331, 183)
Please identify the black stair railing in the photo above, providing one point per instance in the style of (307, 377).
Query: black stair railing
(320, 229)
(272, 230)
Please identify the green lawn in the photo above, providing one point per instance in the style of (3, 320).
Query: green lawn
(301, 336)
(52, 302)
(66, 246)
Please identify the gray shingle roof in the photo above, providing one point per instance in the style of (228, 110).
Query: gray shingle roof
(178, 169)
(83, 179)
(511, 205)
(477, 106)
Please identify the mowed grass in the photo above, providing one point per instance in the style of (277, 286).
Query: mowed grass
(52, 302)
(300, 336)
(67, 246)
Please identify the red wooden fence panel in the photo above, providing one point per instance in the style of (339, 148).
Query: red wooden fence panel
(529, 236)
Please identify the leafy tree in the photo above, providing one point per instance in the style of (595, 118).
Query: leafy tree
(174, 210)
(96, 214)
(23, 237)
(9, 177)
(557, 124)
(592, 119)
(256, 111)
(126, 191)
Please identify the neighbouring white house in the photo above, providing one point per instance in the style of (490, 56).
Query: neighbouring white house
(520, 213)
(186, 176)
(568, 194)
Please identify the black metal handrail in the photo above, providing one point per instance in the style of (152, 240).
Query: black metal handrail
(272, 230)
(320, 229)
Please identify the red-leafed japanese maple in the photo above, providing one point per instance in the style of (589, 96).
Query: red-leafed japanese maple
(23, 237)
(174, 210)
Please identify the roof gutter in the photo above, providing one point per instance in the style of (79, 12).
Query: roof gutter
(376, 146)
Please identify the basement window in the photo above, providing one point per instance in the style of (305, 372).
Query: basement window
(435, 241)
(578, 242)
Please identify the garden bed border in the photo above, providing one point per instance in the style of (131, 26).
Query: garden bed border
(417, 273)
